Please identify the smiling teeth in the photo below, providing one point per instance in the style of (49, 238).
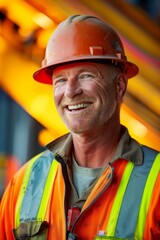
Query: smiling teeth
(78, 106)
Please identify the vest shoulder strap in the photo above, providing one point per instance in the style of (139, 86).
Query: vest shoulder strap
(36, 188)
(139, 181)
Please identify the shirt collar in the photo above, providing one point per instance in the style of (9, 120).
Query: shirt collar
(62, 146)
(128, 148)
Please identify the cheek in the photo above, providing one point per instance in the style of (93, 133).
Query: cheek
(58, 94)
(108, 95)
(102, 90)
(93, 87)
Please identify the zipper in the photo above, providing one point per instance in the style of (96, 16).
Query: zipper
(94, 200)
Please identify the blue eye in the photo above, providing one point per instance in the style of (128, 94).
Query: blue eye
(58, 81)
(85, 76)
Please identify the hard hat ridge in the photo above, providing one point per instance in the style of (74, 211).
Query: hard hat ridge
(79, 18)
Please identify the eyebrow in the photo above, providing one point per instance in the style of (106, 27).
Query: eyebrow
(84, 69)
(59, 75)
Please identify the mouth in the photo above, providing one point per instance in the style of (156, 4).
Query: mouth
(77, 107)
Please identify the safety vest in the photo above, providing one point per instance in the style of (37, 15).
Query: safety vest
(140, 180)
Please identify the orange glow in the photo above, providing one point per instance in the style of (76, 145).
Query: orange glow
(22, 14)
(140, 130)
(145, 92)
(43, 37)
(42, 20)
(45, 137)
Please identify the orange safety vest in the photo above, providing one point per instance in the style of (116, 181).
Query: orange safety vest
(128, 208)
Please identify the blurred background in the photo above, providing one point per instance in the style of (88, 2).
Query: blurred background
(28, 118)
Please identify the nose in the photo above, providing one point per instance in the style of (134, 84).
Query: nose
(73, 88)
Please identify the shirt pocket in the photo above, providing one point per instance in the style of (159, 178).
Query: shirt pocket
(31, 230)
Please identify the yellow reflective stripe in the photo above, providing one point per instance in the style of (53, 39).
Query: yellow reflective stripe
(111, 227)
(47, 190)
(23, 188)
(146, 197)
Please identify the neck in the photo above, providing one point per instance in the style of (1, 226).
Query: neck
(96, 149)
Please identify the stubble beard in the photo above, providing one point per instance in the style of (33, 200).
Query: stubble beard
(88, 124)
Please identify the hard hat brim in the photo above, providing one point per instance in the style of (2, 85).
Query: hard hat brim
(42, 75)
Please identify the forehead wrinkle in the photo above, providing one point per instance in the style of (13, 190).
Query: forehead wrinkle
(87, 67)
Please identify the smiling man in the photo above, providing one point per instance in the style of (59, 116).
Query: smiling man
(85, 91)
(95, 182)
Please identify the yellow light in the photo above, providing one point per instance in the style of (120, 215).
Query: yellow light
(42, 20)
(21, 13)
(138, 128)
(46, 137)
(43, 37)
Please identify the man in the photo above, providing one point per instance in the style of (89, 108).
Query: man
(95, 182)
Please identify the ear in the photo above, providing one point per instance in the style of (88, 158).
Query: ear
(121, 85)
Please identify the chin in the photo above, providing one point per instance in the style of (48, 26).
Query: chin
(77, 129)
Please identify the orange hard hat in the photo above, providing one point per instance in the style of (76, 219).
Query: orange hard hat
(83, 38)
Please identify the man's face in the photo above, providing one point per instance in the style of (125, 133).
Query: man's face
(85, 95)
